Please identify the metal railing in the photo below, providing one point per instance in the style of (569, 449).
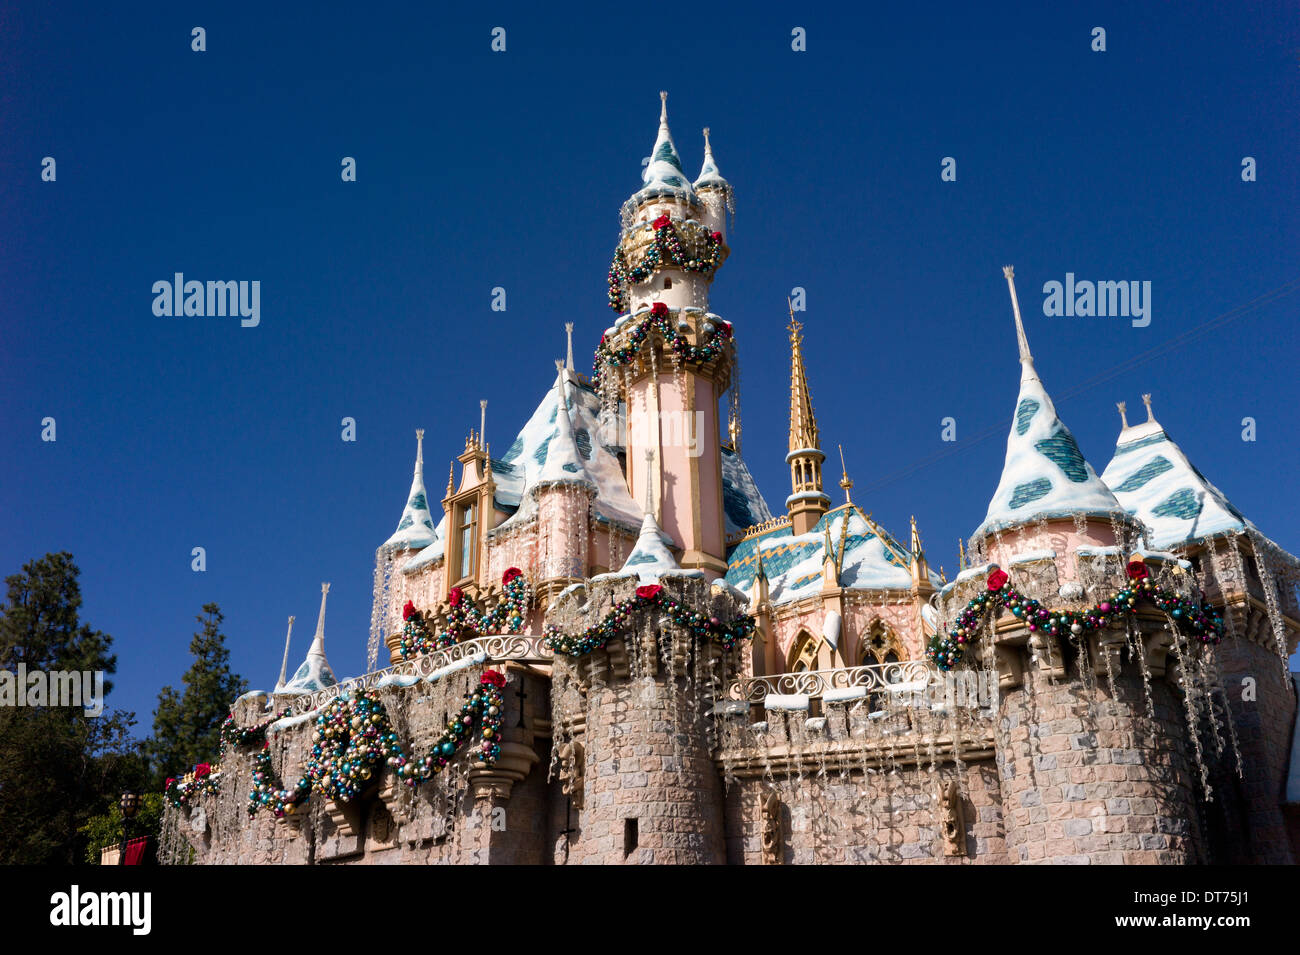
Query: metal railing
(523, 647)
(814, 683)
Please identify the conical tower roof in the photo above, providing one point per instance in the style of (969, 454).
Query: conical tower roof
(650, 558)
(664, 175)
(415, 528)
(314, 673)
(1044, 475)
(709, 176)
(1155, 482)
(563, 463)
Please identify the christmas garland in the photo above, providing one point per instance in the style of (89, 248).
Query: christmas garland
(464, 620)
(726, 635)
(666, 250)
(181, 792)
(660, 322)
(354, 738)
(1193, 615)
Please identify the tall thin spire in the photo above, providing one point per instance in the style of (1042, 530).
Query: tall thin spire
(803, 423)
(415, 528)
(284, 663)
(318, 641)
(807, 501)
(1026, 359)
(1146, 400)
(1123, 416)
(315, 672)
(568, 333)
(482, 422)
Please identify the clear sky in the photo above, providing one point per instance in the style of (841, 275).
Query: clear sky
(478, 169)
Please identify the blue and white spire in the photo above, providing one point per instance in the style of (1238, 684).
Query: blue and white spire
(1045, 475)
(663, 175)
(709, 176)
(563, 463)
(415, 529)
(315, 673)
(284, 661)
(1155, 482)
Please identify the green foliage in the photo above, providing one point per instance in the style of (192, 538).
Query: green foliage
(105, 829)
(187, 725)
(57, 765)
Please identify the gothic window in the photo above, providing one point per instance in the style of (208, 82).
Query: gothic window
(880, 645)
(803, 654)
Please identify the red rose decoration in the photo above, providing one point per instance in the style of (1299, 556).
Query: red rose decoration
(455, 596)
(408, 610)
(658, 309)
(1137, 570)
(493, 678)
(726, 328)
(997, 578)
(510, 574)
(202, 769)
(661, 222)
(648, 591)
(716, 236)
(170, 780)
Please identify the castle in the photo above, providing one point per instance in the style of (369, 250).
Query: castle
(609, 649)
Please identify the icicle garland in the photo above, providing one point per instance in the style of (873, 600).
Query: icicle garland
(354, 739)
(1202, 620)
(724, 633)
(660, 321)
(464, 620)
(667, 251)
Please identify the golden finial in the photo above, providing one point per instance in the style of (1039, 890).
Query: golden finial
(961, 554)
(845, 481)
(451, 478)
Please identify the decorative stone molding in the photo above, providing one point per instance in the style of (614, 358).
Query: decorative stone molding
(773, 831)
(950, 812)
(573, 767)
(511, 767)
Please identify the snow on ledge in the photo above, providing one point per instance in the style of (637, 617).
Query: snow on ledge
(790, 702)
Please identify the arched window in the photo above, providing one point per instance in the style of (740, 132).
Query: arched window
(880, 645)
(803, 653)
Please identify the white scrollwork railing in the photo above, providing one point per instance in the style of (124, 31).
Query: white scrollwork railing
(875, 676)
(508, 646)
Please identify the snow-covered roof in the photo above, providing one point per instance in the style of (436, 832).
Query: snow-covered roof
(314, 673)
(663, 175)
(415, 528)
(709, 175)
(650, 558)
(1156, 483)
(430, 554)
(742, 502)
(553, 448)
(1044, 475)
(872, 558)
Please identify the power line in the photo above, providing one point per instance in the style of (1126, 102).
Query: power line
(1115, 371)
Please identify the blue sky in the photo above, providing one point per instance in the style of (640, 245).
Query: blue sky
(479, 169)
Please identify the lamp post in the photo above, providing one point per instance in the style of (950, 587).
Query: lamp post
(129, 804)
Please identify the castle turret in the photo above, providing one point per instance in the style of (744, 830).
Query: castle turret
(714, 192)
(807, 501)
(1048, 492)
(314, 673)
(668, 358)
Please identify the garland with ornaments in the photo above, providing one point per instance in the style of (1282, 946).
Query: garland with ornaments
(1190, 615)
(465, 621)
(354, 739)
(665, 251)
(715, 339)
(203, 779)
(724, 633)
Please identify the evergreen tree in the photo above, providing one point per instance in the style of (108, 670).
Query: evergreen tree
(187, 726)
(57, 765)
